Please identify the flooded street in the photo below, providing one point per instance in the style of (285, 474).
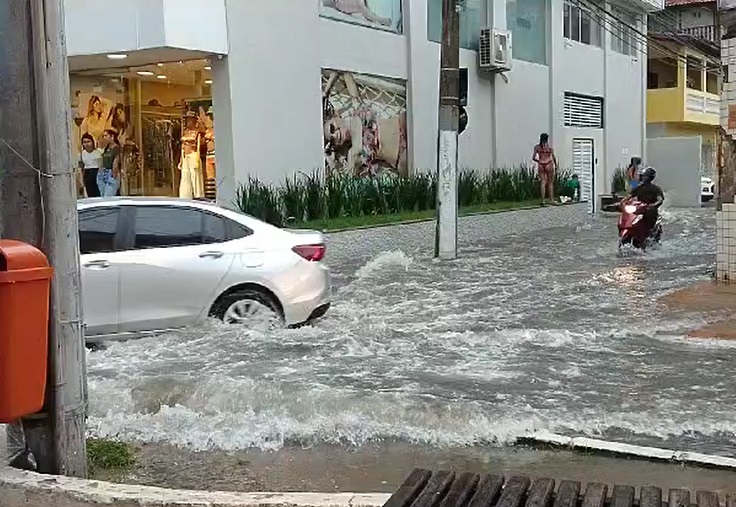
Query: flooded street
(537, 326)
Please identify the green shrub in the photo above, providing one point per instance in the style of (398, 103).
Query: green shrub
(309, 197)
(109, 455)
(619, 181)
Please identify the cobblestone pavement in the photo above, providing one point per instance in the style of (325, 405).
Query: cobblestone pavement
(349, 249)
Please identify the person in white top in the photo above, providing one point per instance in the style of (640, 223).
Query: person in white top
(90, 161)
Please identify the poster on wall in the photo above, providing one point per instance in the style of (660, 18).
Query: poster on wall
(97, 107)
(364, 124)
(380, 14)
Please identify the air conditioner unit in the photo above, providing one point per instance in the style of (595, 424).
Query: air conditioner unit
(494, 50)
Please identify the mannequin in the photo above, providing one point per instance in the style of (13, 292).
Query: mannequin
(190, 165)
(210, 171)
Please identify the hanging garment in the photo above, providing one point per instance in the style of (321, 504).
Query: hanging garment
(192, 184)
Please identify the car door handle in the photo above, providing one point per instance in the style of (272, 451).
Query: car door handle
(213, 255)
(97, 264)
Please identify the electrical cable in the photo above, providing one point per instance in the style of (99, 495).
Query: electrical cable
(604, 19)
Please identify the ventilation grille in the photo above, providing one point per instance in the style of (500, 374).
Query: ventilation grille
(583, 111)
(485, 48)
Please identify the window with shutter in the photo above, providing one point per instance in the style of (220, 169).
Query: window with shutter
(583, 111)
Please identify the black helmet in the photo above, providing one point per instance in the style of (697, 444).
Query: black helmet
(648, 174)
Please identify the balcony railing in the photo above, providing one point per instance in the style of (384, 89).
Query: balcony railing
(708, 32)
(665, 105)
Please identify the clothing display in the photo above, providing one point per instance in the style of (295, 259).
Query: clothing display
(210, 191)
(165, 136)
(192, 181)
(191, 185)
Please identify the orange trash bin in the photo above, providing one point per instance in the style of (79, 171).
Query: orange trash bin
(25, 286)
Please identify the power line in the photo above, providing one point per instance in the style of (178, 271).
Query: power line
(594, 10)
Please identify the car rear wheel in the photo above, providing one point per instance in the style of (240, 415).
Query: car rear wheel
(248, 307)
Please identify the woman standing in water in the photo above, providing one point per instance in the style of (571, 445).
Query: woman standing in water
(544, 156)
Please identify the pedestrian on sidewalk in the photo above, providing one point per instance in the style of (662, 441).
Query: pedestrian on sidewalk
(108, 178)
(90, 161)
(544, 157)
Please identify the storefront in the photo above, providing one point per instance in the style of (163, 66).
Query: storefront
(163, 117)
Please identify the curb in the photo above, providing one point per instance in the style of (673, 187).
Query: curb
(35, 490)
(432, 219)
(582, 444)
(31, 489)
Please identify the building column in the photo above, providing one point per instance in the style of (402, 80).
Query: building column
(555, 44)
(644, 86)
(682, 71)
(224, 142)
(703, 76)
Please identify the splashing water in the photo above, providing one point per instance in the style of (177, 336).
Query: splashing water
(550, 330)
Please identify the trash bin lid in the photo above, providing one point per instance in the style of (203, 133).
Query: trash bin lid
(16, 256)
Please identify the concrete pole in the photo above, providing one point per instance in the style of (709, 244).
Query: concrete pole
(67, 354)
(447, 199)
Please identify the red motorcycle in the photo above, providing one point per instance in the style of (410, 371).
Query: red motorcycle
(633, 229)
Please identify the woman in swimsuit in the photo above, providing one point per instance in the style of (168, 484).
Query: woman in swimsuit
(546, 161)
(632, 173)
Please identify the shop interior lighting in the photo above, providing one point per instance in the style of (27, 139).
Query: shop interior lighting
(207, 81)
(117, 56)
(145, 73)
(160, 76)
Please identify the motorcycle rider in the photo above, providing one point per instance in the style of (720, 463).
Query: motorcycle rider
(650, 194)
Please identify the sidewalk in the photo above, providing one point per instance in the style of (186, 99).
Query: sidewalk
(714, 301)
(381, 468)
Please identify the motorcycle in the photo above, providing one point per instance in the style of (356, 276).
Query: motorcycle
(633, 229)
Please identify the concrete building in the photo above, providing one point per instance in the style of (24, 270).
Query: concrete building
(683, 97)
(295, 85)
(696, 18)
(683, 78)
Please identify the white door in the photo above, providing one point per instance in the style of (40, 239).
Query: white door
(98, 230)
(172, 273)
(583, 164)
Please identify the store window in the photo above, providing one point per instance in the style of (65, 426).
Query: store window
(582, 24)
(163, 118)
(527, 20)
(624, 32)
(470, 22)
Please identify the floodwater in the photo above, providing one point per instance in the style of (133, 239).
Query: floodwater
(539, 330)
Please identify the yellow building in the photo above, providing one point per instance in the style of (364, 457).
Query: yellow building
(683, 86)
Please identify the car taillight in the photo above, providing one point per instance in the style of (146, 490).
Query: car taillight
(312, 253)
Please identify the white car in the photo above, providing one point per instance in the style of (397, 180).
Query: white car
(707, 189)
(157, 264)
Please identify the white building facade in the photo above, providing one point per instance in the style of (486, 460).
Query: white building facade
(283, 76)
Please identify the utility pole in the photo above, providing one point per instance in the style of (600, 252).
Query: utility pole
(67, 355)
(57, 436)
(449, 111)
